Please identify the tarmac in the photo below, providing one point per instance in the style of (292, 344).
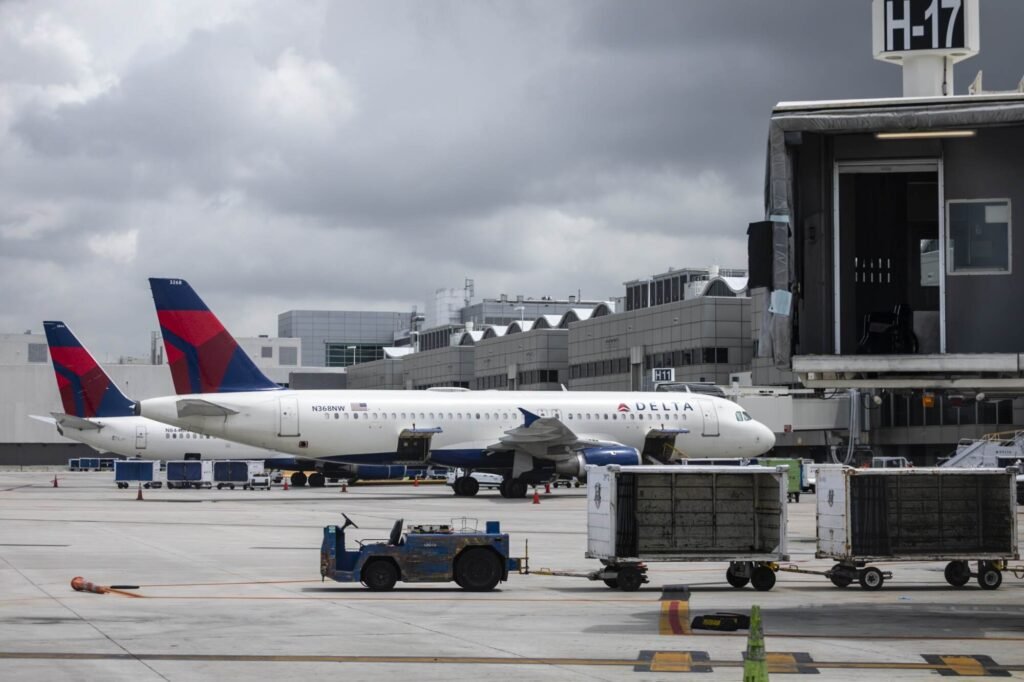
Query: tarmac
(225, 585)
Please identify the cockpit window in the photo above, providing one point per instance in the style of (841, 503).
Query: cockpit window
(742, 416)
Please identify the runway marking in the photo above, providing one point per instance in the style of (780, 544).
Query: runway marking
(28, 544)
(967, 666)
(646, 662)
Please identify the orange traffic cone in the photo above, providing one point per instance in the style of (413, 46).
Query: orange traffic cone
(344, 486)
(79, 584)
(536, 496)
(547, 488)
(55, 481)
(416, 482)
(286, 483)
(139, 496)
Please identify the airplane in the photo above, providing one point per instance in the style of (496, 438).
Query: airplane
(98, 414)
(526, 436)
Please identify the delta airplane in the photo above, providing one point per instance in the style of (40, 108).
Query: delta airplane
(99, 415)
(526, 436)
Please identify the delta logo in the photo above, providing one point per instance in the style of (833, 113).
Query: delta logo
(623, 407)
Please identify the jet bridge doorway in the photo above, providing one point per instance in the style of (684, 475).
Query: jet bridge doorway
(888, 258)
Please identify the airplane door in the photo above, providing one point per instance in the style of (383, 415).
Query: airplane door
(140, 437)
(289, 417)
(707, 408)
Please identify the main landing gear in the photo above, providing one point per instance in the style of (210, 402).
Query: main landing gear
(513, 488)
(314, 480)
(466, 486)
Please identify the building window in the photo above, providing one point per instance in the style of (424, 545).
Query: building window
(37, 352)
(978, 236)
(266, 351)
(288, 356)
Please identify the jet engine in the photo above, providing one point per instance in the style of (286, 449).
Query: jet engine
(597, 455)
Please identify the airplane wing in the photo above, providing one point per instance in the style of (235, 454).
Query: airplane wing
(198, 407)
(70, 421)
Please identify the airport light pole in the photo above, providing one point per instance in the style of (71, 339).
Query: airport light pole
(522, 313)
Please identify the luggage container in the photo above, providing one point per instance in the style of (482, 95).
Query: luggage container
(75, 464)
(921, 514)
(638, 514)
(190, 473)
(89, 464)
(229, 473)
(128, 473)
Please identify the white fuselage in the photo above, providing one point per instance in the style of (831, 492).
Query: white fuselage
(353, 422)
(147, 439)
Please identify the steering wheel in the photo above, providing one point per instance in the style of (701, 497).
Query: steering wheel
(348, 521)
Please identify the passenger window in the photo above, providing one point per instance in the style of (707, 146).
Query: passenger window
(570, 415)
(355, 416)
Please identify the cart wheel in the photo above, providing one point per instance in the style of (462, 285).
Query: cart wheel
(477, 570)
(763, 578)
(612, 583)
(630, 579)
(957, 573)
(840, 579)
(871, 579)
(736, 581)
(379, 575)
(989, 578)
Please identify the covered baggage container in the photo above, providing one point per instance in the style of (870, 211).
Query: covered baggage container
(916, 514)
(637, 514)
(190, 473)
(128, 472)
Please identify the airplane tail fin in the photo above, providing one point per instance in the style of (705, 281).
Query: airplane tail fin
(85, 389)
(203, 356)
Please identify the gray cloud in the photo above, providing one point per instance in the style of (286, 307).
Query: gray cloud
(359, 154)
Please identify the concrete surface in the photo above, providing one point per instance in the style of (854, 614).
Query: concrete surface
(229, 588)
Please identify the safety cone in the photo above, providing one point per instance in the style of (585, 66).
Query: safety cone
(536, 496)
(139, 496)
(547, 488)
(755, 664)
(286, 483)
(344, 486)
(79, 584)
(416, 482)
(55, 481)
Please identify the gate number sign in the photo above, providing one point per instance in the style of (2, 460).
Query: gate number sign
(923, 25)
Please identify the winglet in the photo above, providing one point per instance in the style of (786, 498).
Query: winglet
(203, 356)
(85, 389)
(529, 417)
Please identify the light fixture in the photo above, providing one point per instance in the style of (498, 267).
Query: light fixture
(925, 134)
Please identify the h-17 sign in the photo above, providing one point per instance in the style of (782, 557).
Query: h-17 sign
(911, 25)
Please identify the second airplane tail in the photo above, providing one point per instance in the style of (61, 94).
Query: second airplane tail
(85, 389)
(203, 356)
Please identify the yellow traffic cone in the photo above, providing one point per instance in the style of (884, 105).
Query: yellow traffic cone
(755, 665)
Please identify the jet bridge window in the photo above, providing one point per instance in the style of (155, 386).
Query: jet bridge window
(978, 236)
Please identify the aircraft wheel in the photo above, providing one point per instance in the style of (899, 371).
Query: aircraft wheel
(457, 487)
(477, 570)
(612, 583)
(505, 487)
(317, 480)
(379, 575)
(470, 486)
(763, 578)
(518, 489)
(871, 579)
(958, 573)
(298, 479)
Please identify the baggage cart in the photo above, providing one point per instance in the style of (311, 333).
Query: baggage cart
(641, 514)
(958, 516)
(229, 473)
(190, 473)
(128, 473)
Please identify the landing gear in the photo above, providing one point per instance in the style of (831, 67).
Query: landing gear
(466, 486)
(513, 488)
(317, 480)
(298, 479)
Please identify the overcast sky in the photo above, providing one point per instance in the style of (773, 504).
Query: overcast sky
(359, 155)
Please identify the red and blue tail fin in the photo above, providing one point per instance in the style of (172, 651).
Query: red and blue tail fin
(204, 357)
(85, 389)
